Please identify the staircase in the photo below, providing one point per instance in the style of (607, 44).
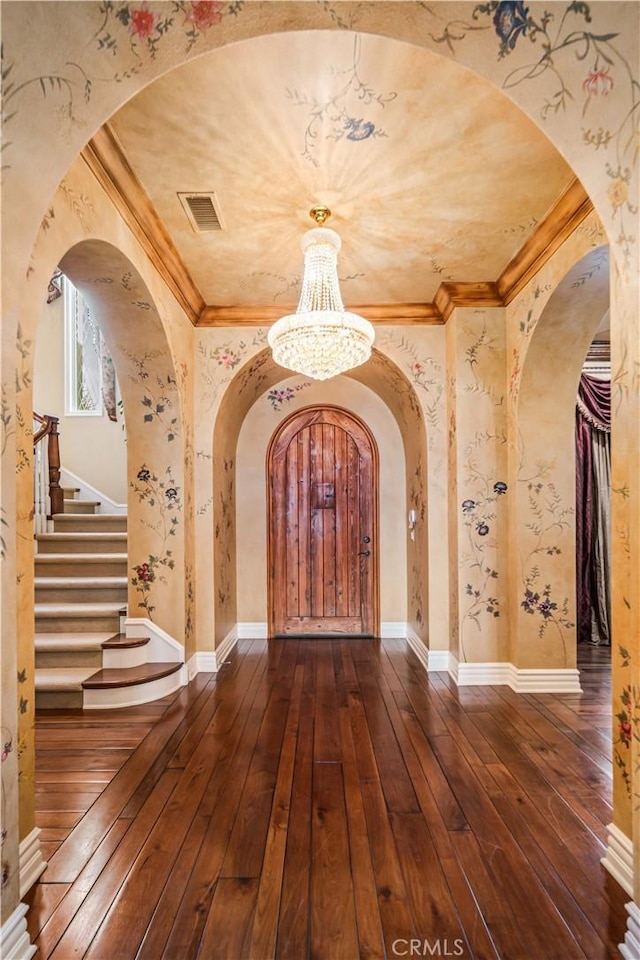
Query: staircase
(82, 657)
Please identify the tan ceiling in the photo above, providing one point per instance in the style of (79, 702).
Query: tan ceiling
(432, 174)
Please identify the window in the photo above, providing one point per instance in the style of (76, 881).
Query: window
(83, 365)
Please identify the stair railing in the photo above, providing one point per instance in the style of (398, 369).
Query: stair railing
(48, 495)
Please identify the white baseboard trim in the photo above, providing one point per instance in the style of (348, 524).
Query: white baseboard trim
(14, 939)
(630, 949)
(162, 647)
(521, 680)
(393, 630)
(545, 681)
(210, 661)
(433, 661)
(418, 647)
(480, 674)
(618, 860)
(224, 649)
(252, 631)
(31, 860)
(203, 662)
(107, 505)
(439, 661)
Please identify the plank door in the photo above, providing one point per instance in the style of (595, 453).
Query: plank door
(322, 470)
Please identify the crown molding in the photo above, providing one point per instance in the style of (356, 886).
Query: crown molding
(255, 316)
(567, 213)
(452, 295)
(106, 159)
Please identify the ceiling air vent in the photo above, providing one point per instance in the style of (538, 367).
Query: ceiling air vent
(202, 211)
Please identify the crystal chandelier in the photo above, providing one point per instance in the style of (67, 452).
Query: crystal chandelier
(321, 339)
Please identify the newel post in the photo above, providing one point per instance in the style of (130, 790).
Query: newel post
(55, 490)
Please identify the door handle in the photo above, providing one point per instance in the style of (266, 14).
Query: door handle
(365, 553)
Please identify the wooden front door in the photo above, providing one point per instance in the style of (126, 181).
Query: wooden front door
(322, 470)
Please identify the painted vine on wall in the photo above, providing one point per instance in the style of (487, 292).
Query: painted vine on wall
(162, 496)
(346, 111)
(557, 42)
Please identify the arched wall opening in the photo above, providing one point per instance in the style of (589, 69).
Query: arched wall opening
(383, 398)
(125, 311)
(544, 581)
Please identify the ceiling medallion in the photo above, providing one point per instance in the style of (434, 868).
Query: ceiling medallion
(321, 339)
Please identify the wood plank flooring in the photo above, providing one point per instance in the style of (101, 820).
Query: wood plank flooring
(329, 800)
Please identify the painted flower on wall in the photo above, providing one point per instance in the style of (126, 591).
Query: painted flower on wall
(162, 497)
(597, 83)
(142, 22)
(205, 13)
(511, 18)
(279, 396)
(226, 357)
(618, 192)
(625, 730)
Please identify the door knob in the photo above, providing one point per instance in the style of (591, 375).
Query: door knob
(365, 553)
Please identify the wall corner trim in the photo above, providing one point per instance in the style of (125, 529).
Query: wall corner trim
(14, 939)
(32, 863)
(618, 860)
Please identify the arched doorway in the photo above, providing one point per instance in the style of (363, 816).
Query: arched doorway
(322, 466)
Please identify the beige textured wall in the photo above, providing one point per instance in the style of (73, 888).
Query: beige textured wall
(93, 448)
(251, 508)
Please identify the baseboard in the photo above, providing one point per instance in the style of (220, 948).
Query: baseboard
(252, 631)
(545, 681)
(521, 680)
(14, 939)
(224, 649)
(107, 505)
(418, 647)
(618, 860)
(630, 949)
(203, 662)
(393, 630)
(480, 674)
(31, 860)
(439, 661)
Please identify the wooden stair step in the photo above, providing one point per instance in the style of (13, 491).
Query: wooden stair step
(121, 642)
(130, 676)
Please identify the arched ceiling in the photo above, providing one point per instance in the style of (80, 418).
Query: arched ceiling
(432, 174)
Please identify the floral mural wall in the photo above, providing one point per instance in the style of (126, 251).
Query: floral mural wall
(478, 465)
(541, 471)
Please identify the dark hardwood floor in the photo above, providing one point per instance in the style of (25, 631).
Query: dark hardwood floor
(329, 799)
